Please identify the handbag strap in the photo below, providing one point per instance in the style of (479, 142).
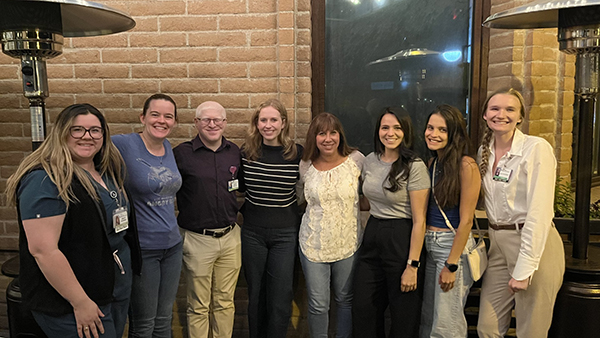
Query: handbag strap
(480, 237)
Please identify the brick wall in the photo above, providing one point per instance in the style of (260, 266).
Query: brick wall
(531, 58)
(236, 52)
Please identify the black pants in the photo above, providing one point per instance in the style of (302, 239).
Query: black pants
(381, 261)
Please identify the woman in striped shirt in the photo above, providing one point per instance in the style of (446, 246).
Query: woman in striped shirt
(270, 161)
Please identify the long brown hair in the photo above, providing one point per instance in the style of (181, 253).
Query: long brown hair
(322, 123)
(488, 133)
(253, 144)
(55, 158)
(447, 187)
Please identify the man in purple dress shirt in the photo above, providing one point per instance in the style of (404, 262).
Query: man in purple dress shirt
(209, 167)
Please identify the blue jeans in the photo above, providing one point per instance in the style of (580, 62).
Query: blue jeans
(268, 257)
(319, 277)
(443, 313)
(65, 326)
(153, 293)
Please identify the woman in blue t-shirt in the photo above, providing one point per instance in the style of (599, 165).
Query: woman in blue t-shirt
(455, 183)
(77, 233)
(153, 179)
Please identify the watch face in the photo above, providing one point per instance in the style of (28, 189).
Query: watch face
(451, 267)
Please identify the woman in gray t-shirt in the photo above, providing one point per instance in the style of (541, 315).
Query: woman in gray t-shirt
(396, 184)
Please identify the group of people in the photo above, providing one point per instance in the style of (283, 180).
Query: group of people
(100, 241)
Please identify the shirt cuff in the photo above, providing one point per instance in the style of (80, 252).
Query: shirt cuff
(524, 268)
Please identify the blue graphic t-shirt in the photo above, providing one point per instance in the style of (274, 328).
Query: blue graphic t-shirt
(153, 182)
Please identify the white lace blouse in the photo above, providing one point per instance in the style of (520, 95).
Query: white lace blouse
(330, 230)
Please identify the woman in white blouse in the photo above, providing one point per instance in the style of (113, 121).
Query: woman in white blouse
(526, 256)
(330, 232)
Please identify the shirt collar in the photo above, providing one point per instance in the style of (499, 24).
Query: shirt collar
(516, 148)
(197, 144)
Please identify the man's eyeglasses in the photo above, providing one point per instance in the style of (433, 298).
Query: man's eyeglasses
(205, 121)
(78, 132)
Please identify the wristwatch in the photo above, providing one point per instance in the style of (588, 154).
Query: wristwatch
(413, 263)
(451, 267)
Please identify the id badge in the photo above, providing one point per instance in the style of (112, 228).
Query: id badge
(502, 174)
(120, 219)
(233, 185)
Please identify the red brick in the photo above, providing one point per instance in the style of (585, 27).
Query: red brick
(286, 5)
(263, 38)
(285, 20)
(188, 23)
(263, 69)
(12, 86)
(287, 53)
(157, 40)
(149, 24)
(189, 86)
(9, 101)
(130, 86)
(303, 69)
(104, 41)
(137, 101)
(11, 129)
(102, 101)
(122, 116)
(116, 129)
(60, 71)
(248, 22)
(216, 38)
(229, 54)
(188, 55)
(262, 6)
(217, 70)
(287, 85)
(158, 71)
(249, 86)
(286, 68)
(303, 37)
(303, 20)
(9, 71)
(257, 99)
(216, 7)
(77, 56)
(81, 86)
(137, 55)
(102, 71)
(226, 100)
(13, 144)
(156, 7)
(304, 84)
(6, 60)
(303, 53)
(303, 5)
(60, 101)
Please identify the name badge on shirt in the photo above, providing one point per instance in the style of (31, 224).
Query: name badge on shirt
(120, 219)
(502, 174)
(233, 185)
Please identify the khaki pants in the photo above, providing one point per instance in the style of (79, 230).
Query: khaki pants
(534, 306)
(212, 266)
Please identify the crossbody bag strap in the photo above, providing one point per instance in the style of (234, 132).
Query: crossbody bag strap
(446, 218)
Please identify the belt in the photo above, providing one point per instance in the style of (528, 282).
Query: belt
(218, 234)
(506, 226)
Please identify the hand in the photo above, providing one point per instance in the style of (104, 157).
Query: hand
(408, 281)
(517, 285)
(446, 279)
(87, 315)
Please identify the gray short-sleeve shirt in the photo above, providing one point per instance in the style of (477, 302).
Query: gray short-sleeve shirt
(384, 203)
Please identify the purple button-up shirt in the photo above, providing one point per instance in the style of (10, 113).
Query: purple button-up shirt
(204, 200)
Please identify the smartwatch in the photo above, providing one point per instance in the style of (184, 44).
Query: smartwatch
(451, 267)
(413, 263)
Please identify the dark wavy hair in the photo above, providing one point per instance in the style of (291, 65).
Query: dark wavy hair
(401, 167)
(447, 188)
(322, 123)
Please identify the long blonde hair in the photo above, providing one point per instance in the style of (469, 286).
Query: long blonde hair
(253, 144)
(55, 158)
(488, 133)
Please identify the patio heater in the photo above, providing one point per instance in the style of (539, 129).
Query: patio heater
(33, 31)
(578, 23)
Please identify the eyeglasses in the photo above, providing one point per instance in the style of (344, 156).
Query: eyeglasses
(205, 121)
(78, 132)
